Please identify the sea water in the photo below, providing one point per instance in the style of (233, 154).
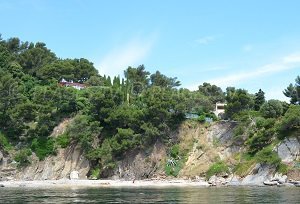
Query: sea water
(152, 195)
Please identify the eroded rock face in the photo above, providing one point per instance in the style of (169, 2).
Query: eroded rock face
(259, 174)
(57, 167)
(289, 149)
(141, 165)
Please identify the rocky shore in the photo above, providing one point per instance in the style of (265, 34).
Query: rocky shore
(214, 181)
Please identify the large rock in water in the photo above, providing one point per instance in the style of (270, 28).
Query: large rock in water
(289, 149)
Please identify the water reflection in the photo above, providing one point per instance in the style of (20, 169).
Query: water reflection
(152, 195)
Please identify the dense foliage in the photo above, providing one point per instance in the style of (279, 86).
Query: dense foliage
(111, 117)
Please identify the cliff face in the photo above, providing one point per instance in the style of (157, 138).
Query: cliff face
(204, 144)
(57, 166)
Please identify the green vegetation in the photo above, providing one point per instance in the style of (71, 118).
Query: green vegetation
(63, 140)
(43, 147)
(22, 157)
(4, 143)
(267, 156)
(217, 168)
(114, 116)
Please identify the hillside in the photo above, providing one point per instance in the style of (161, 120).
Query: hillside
(59, 116)
(198, 148)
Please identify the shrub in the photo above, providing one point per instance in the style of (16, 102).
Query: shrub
(4, 142)
(63, 140)
(22, 157)
(290, 120)
(171, 170)
(201, 118)
(267, 156)
(242, 169)
(95, 173)
(43, 147)
(174, 151)
(271, 109)
(217, 169)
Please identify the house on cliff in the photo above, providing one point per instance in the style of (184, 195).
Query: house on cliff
(75, 85)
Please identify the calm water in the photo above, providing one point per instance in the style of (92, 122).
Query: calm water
(152, 195)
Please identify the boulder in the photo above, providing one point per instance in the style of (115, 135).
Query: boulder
(74, 175)
(217, 181)
(234, 181)
(260, 173)
(271, 183)
(279, 178)
(289, 150)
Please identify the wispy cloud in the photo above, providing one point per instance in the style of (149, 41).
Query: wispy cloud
(285, 63)
(288, 62)
(205, 40)
(128, 54)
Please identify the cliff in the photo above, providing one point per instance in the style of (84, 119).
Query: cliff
(199, 147)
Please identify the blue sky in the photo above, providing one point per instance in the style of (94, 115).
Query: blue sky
(248, 44)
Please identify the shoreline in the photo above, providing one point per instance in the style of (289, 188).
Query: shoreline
(66, 183)
(102, 183)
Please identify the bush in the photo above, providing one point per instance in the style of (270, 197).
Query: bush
(290, 120)
(217, 169)
(22, 157)
(43, 147)
(63, 140)
(4, 142)
(271, 109)
(174, 170)
(95, 173)
(267, 156)
(174, 151)
(242, 169)
(201, 118)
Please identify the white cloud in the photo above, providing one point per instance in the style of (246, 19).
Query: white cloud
(292, 58)
(129, 54)
(286, 63)
(205, 40)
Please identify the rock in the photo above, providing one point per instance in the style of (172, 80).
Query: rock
(1, 185)
(261, 173)
(279, 178)
(234, 181)
(217, 181)
(271, 183)
(74, 175)
(289, 150)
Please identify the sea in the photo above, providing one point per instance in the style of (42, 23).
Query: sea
(152, 195)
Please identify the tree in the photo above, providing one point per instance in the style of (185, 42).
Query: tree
(259, 99)
(35, 57)
(237, 100)
(161, 80)
(271, 109)
(136, 79)
(291, 119)
(293, 92)
(95, 81)
(214, 92)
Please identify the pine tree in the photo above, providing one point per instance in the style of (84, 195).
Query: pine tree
(259, 99)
